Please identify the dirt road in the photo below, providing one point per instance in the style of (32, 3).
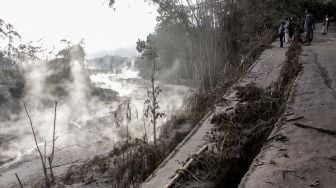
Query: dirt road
(302, 152)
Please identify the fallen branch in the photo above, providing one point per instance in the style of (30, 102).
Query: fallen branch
(294, 119)
(192, 175)
(315, 183)
(289, 114)
(318, 129)
(185, 167)
(332, 170)
(55, 166)
(17, 177)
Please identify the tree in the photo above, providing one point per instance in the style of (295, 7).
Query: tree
(48, 180)
(152, 107)
(12, 50)
(216, 31)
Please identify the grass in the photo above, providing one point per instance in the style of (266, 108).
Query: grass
(128, 164)
(201, 101)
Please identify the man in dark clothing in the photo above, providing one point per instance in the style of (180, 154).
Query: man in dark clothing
(281, 33)
(291, 28)
(308, 26)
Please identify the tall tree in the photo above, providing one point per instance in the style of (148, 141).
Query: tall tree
(152, 107)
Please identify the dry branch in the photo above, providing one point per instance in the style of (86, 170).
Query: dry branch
(185, 167)
(17, 177)
(47, 182)
(294, 119)
(51, 157)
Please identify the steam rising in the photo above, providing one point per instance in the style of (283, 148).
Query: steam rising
(84, 120)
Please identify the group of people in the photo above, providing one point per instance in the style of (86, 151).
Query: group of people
(303, 35)
(286, 31)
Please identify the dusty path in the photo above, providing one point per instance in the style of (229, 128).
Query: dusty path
(302, 153)
(264, 72)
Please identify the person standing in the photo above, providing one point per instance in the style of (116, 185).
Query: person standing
(287, 28)
(308, 27)
(281, 33)
(291, 29)
(325, 25)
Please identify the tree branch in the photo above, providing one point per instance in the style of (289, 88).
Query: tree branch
(38, 148)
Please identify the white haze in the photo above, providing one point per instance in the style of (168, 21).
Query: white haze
(89, 124)
(100, 26)
(85, 125)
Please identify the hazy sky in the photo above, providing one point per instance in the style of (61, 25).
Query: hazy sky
(100, 26)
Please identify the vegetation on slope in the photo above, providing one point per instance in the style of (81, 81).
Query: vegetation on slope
(128, 164)
(209, 44)
(240, 134)
(231, 55)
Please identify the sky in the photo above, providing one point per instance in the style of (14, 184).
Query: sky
(101, 27)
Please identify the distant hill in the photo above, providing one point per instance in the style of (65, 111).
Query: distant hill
(122, 52)
(109, 62)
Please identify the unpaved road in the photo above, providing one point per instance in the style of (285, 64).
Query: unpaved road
(264, 72)
(302, 153)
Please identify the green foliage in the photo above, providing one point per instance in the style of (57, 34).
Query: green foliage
(270, 12)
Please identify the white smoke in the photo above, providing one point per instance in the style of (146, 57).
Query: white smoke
(83, 119)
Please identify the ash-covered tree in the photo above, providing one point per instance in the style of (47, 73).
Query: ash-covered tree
(216, 36)
(11, 50)
(148, 50)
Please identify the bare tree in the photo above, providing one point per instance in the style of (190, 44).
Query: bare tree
(51, 157)
(44, 158)
(128, 119)
(47, 182)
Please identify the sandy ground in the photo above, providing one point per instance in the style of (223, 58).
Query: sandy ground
(302, 153)
(264, 72)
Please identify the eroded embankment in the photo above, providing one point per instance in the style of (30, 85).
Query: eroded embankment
(240, 132)
(300, 152)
